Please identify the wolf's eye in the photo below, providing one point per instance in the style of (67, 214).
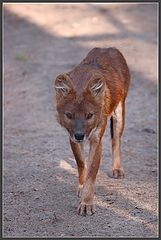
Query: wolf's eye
(89, 115)
(69, 115)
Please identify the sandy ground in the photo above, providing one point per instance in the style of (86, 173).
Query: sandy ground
(39, 171)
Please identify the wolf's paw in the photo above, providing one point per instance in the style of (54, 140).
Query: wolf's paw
(118, 173)
(86, 209)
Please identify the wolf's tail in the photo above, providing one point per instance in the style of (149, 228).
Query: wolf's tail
(111, 126)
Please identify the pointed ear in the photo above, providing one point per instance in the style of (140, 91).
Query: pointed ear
(97, 86)
(63, 85)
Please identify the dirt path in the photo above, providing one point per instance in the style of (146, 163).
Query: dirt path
(40, 175)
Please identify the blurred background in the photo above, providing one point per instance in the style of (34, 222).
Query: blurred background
(41, 41)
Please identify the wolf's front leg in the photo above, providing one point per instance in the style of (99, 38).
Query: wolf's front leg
(86, 206)
(77, 149)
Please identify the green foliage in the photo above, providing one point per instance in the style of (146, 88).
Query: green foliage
(20, 57)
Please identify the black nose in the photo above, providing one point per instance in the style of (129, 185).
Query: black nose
(79, 136)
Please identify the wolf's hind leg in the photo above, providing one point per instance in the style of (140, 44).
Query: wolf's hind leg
(117, 127)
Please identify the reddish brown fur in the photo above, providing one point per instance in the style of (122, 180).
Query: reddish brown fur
(98, 85)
